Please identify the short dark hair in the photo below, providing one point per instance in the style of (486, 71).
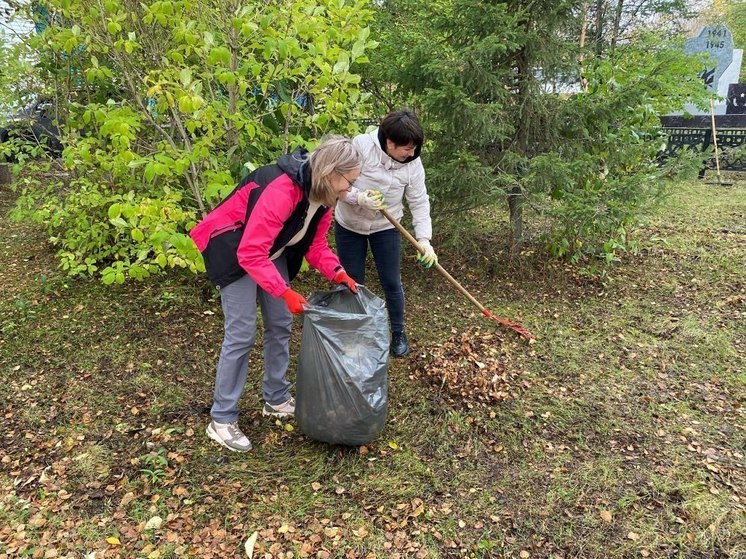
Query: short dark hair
(403, 128)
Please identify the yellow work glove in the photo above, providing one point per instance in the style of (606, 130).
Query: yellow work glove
(428, 259)
(371, 199)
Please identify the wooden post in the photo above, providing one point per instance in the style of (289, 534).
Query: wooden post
(6, 177)
(715, 141)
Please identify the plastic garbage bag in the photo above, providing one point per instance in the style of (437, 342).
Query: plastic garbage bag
(342, 374)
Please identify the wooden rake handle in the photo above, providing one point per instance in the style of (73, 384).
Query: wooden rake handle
(504, 321)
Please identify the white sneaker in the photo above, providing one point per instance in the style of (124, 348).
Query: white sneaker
(280, 410)
(229, 435)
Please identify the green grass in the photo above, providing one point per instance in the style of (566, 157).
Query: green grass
(627, 439)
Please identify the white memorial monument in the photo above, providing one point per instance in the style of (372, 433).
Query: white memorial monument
(717, 41)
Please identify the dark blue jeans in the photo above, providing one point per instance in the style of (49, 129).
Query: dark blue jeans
(352, 249)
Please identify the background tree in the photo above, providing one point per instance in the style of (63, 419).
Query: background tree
(168, 102)
(734, 17)
(498, 87)
(613, 21)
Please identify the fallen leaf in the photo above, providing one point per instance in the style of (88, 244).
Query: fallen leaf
(112, 540)
(249, 545)
(605, 516)
(332, 532)
(393, 445)
(633, 536)
(524, 554)
(154, 523)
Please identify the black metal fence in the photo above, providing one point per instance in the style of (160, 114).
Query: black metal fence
(696, 133)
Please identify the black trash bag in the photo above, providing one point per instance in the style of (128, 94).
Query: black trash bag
(342, 375)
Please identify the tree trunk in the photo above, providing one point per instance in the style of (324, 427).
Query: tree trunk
(581, 56)
(599, 31)
(232, 133)
(515, 193)
(616, 24)
(234, 45)
(515, 206)
(6, 176)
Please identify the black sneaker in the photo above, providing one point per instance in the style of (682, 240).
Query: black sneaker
(399, 344)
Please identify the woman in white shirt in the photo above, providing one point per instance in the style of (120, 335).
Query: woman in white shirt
(391, 172)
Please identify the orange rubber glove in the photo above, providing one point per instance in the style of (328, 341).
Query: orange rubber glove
(343, 278)
(295, 301)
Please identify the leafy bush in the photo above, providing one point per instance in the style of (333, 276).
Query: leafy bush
(167, 103)
(604, 172)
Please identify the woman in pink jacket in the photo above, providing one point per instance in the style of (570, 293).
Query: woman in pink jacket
(253, 245)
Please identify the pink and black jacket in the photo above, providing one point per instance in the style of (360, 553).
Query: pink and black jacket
(265, 211)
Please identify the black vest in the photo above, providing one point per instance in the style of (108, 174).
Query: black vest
(220, 255)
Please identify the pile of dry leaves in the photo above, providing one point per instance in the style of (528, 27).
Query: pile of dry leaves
(470, 368)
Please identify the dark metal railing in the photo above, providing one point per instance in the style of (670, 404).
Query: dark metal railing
(696, 133)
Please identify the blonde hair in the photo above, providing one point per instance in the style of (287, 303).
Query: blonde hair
(334, 155)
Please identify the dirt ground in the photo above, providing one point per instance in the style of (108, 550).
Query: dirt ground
(619, 433)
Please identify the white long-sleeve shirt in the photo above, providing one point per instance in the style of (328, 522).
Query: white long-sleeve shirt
(396, 181)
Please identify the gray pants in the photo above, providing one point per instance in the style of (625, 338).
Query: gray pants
(239, 302)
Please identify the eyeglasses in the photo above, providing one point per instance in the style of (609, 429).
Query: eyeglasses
(345, 178)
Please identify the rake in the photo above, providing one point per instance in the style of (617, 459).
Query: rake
(502, 321)
(715, 143)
